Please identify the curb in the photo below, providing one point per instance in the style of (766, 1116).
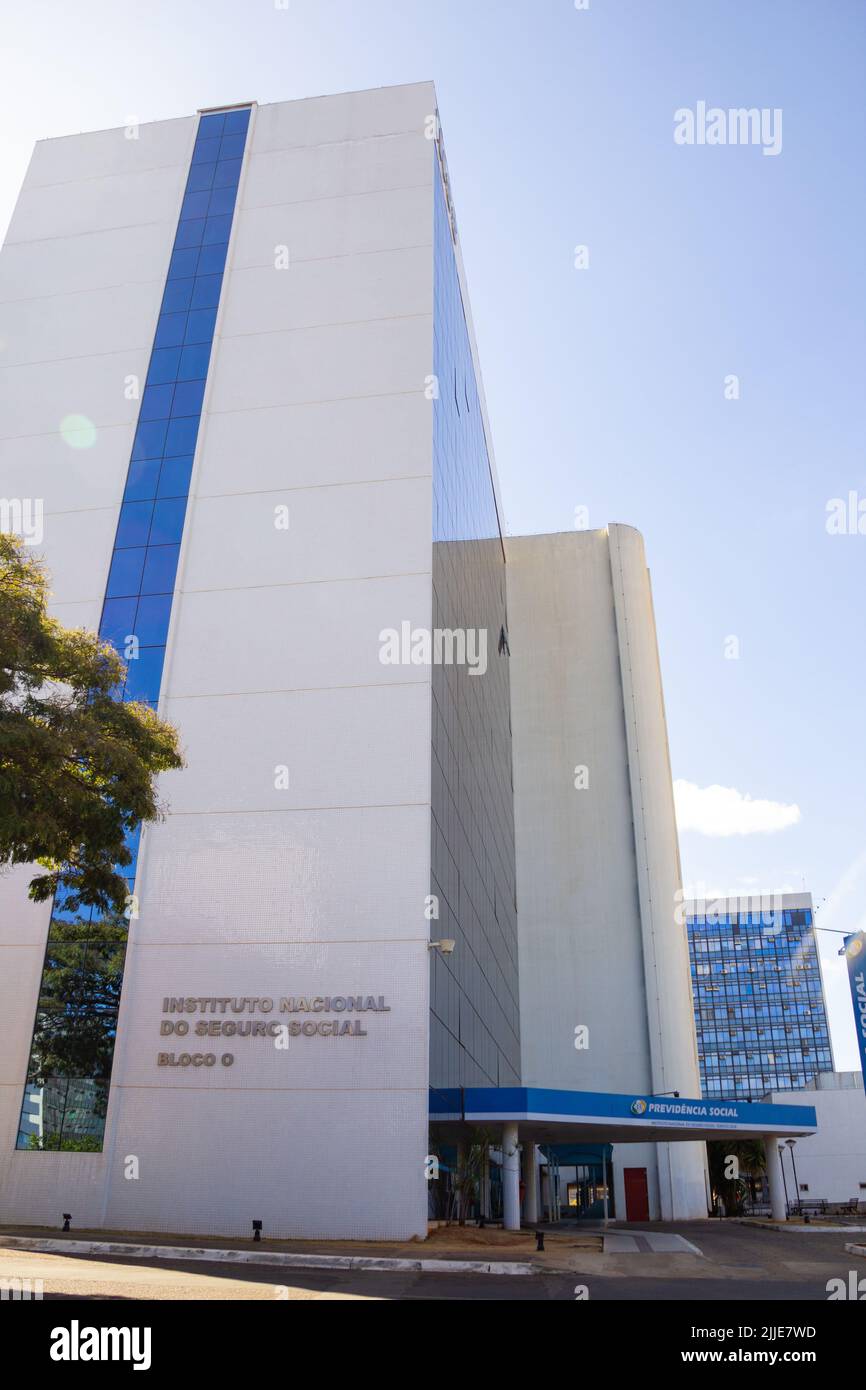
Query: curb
(281, 1259)
(800, 1227)
(856, 1249)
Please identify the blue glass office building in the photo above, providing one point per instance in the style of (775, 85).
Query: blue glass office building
(760, 1013)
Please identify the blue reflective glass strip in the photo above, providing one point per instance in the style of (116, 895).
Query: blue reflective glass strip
(146, 548)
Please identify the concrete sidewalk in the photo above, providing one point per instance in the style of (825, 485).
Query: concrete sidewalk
(453, 1249)
(726, 1252)
(737, 1263)
(272, 1258)
(818, 1226)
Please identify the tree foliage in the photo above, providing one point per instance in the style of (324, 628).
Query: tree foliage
(77, 764)
(751, 1162)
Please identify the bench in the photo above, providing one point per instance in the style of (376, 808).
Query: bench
(757, 1209)
(809, 1206)
(853, 1207)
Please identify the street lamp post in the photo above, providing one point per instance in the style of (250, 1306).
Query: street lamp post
(784, 1179)
(791, 1143)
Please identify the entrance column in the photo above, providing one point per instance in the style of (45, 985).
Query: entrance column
(775, 1177)
(484, 1199)
(530, 1183)
(510, 1178)
(460, 1181)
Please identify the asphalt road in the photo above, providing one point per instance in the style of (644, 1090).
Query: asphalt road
(788, 1272)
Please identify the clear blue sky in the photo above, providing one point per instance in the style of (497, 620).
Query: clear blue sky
(605, 386)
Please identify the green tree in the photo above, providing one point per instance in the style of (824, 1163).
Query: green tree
(751, 1163)
(79, 999)
(74, 1033)
(77, 765)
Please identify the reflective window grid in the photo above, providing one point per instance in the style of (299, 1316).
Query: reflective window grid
(68, 1076)
(474, 1018)
(760, 1013)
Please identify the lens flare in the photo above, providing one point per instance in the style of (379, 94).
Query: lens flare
(78, 431)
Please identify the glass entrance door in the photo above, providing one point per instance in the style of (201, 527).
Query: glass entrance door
(585, 1171)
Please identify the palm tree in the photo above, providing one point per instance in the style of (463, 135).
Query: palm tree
(750, 1163)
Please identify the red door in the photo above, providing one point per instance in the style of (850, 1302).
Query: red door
(636, 1194)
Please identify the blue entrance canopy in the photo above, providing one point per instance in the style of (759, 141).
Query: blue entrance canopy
(598, 1116)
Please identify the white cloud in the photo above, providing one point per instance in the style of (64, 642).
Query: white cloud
(723, 811)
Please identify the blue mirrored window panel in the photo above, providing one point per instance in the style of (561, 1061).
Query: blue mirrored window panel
(200, 324)
(144, 675)
(181, 436)
(156, 402)
(227, 173)
(178, 295)
(166, 526)
(149, 442)
(142, 480)
(187, 399)
(163, 366)
(151, 619)
(207, 150)
(170, 329)
(118, 620)
(193, 362)
(212, 259)
(174, 477)
(134, 525)
(206, 291)
(124, 577)
(160, 567)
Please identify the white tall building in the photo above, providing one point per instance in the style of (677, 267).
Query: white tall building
(598, 869)
(239, 375)
(295, 859)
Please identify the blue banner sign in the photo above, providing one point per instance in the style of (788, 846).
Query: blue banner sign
(855, 955)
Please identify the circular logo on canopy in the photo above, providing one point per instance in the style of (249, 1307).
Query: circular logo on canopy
(855, 948)
(638, 1107)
